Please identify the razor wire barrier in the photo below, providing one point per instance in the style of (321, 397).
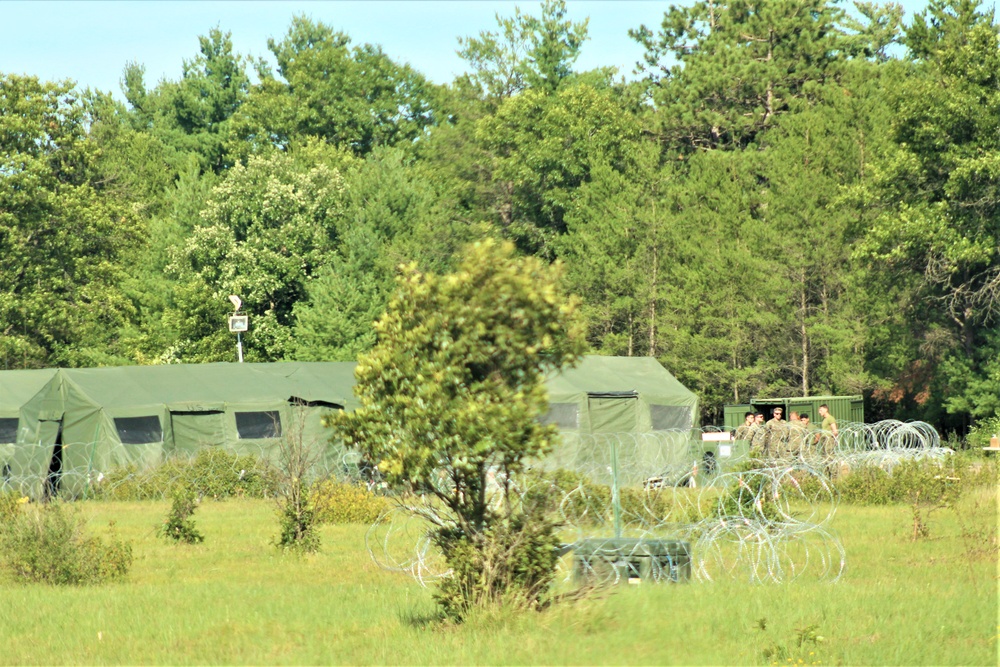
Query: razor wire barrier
(758, 513)
(886, 444)
(399, 542)
(251, 471)
(777, 530)
(770, 525)
(645, 501)
(660, 458)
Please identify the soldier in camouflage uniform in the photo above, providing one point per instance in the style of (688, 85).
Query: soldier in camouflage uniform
(757, 433)
(743, 432)
(800, 433)
(776, 436)
(810, 438)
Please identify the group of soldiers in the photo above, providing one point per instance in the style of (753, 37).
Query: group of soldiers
(796, 438)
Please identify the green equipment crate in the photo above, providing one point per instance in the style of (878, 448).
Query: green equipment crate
(843, 408)
(631, 560)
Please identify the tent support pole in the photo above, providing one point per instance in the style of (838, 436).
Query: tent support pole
(90, 463)
(616, 503)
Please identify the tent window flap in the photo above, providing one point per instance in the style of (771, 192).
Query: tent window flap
(258, 425)
(192, 430)
(613, 414)
(8, 430)
(613, 394)
(670, 417)
(563, 415)
(139, 430)
(301, 402)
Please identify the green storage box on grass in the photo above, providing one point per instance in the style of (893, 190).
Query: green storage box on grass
(631, 560)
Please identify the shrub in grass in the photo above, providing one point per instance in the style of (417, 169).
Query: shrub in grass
(338, 502)
(450, 400)
(219, 474)
(298, 527)
(581, 502)
(659, 504)
(975, 471)
(126, 482)
(510, 566)
(179, 525)
(10, 505)
(298, 456)
(752, 496)
(50, 544)
(982, 431)
(928, 481)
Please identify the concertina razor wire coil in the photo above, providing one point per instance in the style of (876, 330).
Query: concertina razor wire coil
(643, 486)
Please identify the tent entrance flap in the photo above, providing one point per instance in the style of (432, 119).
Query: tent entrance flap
(53, 480)
(194, 430)
(613, 414)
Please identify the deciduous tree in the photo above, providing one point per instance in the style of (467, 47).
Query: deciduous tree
(65, 243)
(354, 98)
(932, 206)
(451, 396)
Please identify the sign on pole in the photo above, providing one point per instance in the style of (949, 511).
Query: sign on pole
(238, 324)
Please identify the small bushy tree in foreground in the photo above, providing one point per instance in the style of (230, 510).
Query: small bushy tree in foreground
(297, 459)
(179, 525)
(451, 397)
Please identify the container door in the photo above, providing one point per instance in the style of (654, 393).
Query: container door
(858, 411)
(735, 414)
(802, 407)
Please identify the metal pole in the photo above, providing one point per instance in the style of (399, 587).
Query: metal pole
(616, 503)
(239, 346)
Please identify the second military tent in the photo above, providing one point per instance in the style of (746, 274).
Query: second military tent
(626, 415)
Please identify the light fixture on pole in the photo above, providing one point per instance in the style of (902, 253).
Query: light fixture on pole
(238, 324)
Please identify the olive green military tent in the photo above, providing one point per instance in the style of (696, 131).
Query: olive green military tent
(620, 395)
(623, 414)
(74, 424)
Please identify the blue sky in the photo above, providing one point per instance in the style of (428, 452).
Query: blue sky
(90, 42)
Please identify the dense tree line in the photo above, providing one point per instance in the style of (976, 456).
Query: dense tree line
(788, 198)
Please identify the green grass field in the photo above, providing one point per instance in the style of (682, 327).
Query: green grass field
(236, 599)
